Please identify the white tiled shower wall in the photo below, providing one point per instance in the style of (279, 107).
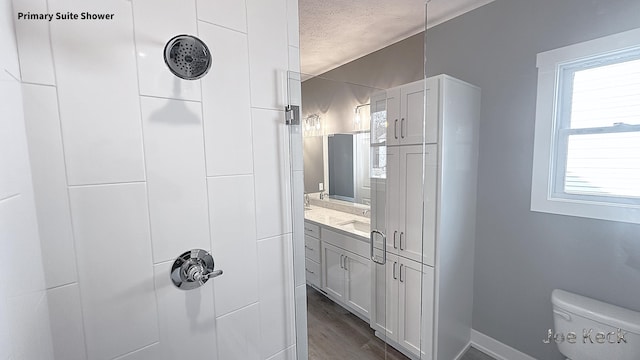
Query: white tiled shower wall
(133, 166)
(24, 313)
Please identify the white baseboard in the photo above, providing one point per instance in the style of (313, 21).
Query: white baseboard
(461, 353)
(495, 348)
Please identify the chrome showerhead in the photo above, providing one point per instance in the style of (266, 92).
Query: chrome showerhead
(187, 57)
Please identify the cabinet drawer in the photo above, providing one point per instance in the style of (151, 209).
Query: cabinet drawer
(312, 230)
(356, 246)
(312, 271)
(312, 248)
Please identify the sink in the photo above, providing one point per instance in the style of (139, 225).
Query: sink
(355, 225)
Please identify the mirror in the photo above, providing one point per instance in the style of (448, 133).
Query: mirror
(336, 122)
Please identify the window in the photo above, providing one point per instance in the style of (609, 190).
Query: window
(587, 139)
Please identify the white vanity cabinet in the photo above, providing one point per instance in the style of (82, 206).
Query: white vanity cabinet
(346, 272)
(422, 297)
(312, 254)
(347, 278)
(337, 263)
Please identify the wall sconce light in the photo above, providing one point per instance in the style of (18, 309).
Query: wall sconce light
(312, 125)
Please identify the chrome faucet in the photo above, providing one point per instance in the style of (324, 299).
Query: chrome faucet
(307, 202)
(322, 195)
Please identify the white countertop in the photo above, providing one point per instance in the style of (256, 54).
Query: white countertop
(343, 222)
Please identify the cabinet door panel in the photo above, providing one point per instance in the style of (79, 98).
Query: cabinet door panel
(358, 284)
(412, 113)
(411, 160)
(410, 305)
(384, 307)
(393, 200)
(430, 198)
(428, 279)
(332, 272)
(393, 116)
(433, 111)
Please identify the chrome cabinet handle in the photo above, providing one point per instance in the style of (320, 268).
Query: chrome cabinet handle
(341, 257)
(308, 247)
(193, 269)
(345, 262)
(401, 233)
(395, 129)
(384, 247)
(394, 269)
(402, 128)
(394, 239)
(401, 266)
(309, 271)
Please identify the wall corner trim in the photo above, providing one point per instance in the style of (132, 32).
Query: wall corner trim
(495, 348)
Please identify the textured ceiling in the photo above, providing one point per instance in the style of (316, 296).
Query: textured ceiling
(335, 32)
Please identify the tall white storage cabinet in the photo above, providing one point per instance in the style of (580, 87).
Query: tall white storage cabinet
(422, 297)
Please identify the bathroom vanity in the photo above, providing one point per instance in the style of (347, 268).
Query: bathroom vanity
(337, 257)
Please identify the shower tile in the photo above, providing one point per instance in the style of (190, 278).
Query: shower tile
(288, 354)
(150, 352)
(49, 183)
(98, 94)
(277, 308)
(233, 238)
(174, 156)
(30, 331)
(20, 242)
(293, 25)
(155, 23)
(271, 173)
(66, 323)
(226, 103)
(231, 14)
(239, 334)
(185, 318)
(267, 24)
(14, 163)
(36, 62)
(111, 228)
(302, 343)
(5, 326)
(9, 53)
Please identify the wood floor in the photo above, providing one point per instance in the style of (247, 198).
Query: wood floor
(336, 334)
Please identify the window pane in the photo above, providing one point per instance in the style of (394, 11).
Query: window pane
(606, 95)
(604, 164)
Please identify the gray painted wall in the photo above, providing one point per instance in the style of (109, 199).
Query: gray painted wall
(334, 94)
(521, 256)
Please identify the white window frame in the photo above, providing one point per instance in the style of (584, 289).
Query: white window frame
(543, 198)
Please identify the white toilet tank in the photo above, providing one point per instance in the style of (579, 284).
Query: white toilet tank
(587, 329)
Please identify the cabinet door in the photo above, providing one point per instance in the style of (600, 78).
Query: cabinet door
(409, 305)
(393, 200)
(428, 288)
(393, 116)
(412, 119)
(430, 199)
(410, 237)
(358, 283)
(332, 271)
(384, 298)
(412, 113)
(433, 111)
